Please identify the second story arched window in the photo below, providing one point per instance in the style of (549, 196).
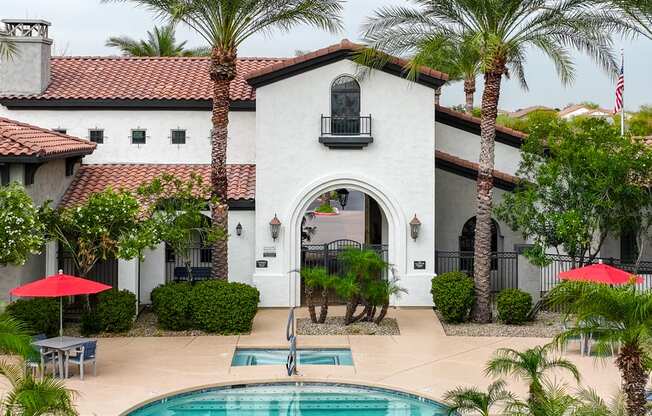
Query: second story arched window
(345, 105)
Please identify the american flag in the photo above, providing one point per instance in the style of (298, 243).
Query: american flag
(620, 88)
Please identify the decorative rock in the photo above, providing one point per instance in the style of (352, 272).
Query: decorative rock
(335, 326)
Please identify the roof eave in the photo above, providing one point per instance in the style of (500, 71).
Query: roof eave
(44, 158)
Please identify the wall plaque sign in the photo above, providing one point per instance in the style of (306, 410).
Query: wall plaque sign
(261, 264)
(420, 265)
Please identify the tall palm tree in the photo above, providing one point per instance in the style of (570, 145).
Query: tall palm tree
(531, 366)
(503, 31)
(614, 317)
(225, 25)
(473, 400)
(161, 41)
(637, 12)
(7, 47)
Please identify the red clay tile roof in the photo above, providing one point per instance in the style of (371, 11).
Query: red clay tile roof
(475, 120)
(96, 178)
(344, 46)
(154, 78)
(20, 140)
(447, 157)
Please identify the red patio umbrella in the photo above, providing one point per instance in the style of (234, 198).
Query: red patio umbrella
(59, 285)
(601, 273)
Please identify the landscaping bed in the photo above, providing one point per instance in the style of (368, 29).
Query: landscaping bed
(335, 326)
(546, 325)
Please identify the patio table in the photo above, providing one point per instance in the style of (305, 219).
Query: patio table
(63, 346)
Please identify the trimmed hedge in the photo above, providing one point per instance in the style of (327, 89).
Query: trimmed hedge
(224, 307)
(513, 306)
(116, 310)
(171, 303)
(41, 315)
(453, 296)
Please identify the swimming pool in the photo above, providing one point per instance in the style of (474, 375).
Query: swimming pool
(252, 356)
(309, 399)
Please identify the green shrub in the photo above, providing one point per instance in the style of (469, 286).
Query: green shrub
(171, 303)
(40, 314)
(90, 323)
(224, 307)
(513, 306)
(116, 310)
(453, 296)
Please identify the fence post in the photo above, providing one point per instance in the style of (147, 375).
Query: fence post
(529, 275)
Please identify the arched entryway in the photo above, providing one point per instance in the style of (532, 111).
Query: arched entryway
(392, 234)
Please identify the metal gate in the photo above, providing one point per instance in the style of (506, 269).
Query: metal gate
(104, 271)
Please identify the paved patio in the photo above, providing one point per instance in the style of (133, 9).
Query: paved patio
(422, 360)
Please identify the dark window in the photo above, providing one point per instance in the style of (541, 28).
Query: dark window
(70, 165)
(138, 137)
(96, 136)
(345, 106)
(169, 254)
(467, 243)
(4, 174)
(178, 137)
(60, 130)
(628, 246)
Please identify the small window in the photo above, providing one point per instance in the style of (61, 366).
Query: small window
(178, 136)
(138, 137)
(4, 174)
(169, 254)
(60, 130)
(96, 136)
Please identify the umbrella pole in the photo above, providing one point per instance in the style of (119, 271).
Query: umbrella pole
(60, 316)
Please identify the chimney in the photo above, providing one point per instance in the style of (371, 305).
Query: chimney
(27, 71)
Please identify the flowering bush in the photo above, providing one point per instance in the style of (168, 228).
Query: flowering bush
(21, 230)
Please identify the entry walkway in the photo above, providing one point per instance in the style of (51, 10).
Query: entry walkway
(422, 360)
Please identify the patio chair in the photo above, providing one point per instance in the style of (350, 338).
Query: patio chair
(582, 339)
(47, 357)
(84, 354)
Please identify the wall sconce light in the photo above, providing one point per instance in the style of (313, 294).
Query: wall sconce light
(343, 196)
(238, 229)
(415, 225)
(275, 227)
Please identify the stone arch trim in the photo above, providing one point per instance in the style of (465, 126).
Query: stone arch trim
(396, 221)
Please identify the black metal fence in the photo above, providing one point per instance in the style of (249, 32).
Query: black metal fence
(191, 266)
(346, 126)
(561, 263)
(327, 255)
(104, 271)
(504, 266)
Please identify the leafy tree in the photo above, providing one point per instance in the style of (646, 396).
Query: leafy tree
(473, 400)
(502, 31)
(225, 25)
(640, 124)
(536, 119)
(21, 228)
(578, 184)
(531, 366)
(613, 316)
(161, 41)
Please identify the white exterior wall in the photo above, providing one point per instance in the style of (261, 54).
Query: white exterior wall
(293, 167)
(242, 256)
(117, 125)
(466, 145)
(152, 272)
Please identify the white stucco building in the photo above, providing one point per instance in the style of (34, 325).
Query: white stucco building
(299, 128)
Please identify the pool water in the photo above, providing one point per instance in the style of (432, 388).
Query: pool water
(247, 357)
(293, 400)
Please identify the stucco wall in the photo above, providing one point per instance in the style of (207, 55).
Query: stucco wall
(466, 145)
(50, 182)
(456, 203)
(291, 164)
(242, 248)
(117, 125)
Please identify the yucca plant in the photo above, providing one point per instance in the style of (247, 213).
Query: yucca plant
(475, 401)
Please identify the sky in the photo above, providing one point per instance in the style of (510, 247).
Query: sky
(81, 27)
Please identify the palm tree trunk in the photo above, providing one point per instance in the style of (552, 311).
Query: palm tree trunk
(469, 91)
(383, 313)
(311, 305)
(323, 313)
(634, 379)
(222, 72)
(482, 248)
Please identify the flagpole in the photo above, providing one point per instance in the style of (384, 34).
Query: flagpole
(622, 110)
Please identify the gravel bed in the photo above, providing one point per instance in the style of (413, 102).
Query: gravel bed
(334, 325)
(145, 326)
(546, 325)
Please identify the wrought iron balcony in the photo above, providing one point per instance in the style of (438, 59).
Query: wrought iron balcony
(346, 132)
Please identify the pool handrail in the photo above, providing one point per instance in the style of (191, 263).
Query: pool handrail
(291, 364)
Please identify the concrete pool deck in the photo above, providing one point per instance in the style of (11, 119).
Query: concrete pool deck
(422, 360)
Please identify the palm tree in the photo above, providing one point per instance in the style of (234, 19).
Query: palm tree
(637, 12)
(460, 60)
(7, 47)
(614, 317)
(225, 25)
(531, 366)
(161, 41)
(555, 401)
(503, 31)
(471, 399)
(591, 404)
